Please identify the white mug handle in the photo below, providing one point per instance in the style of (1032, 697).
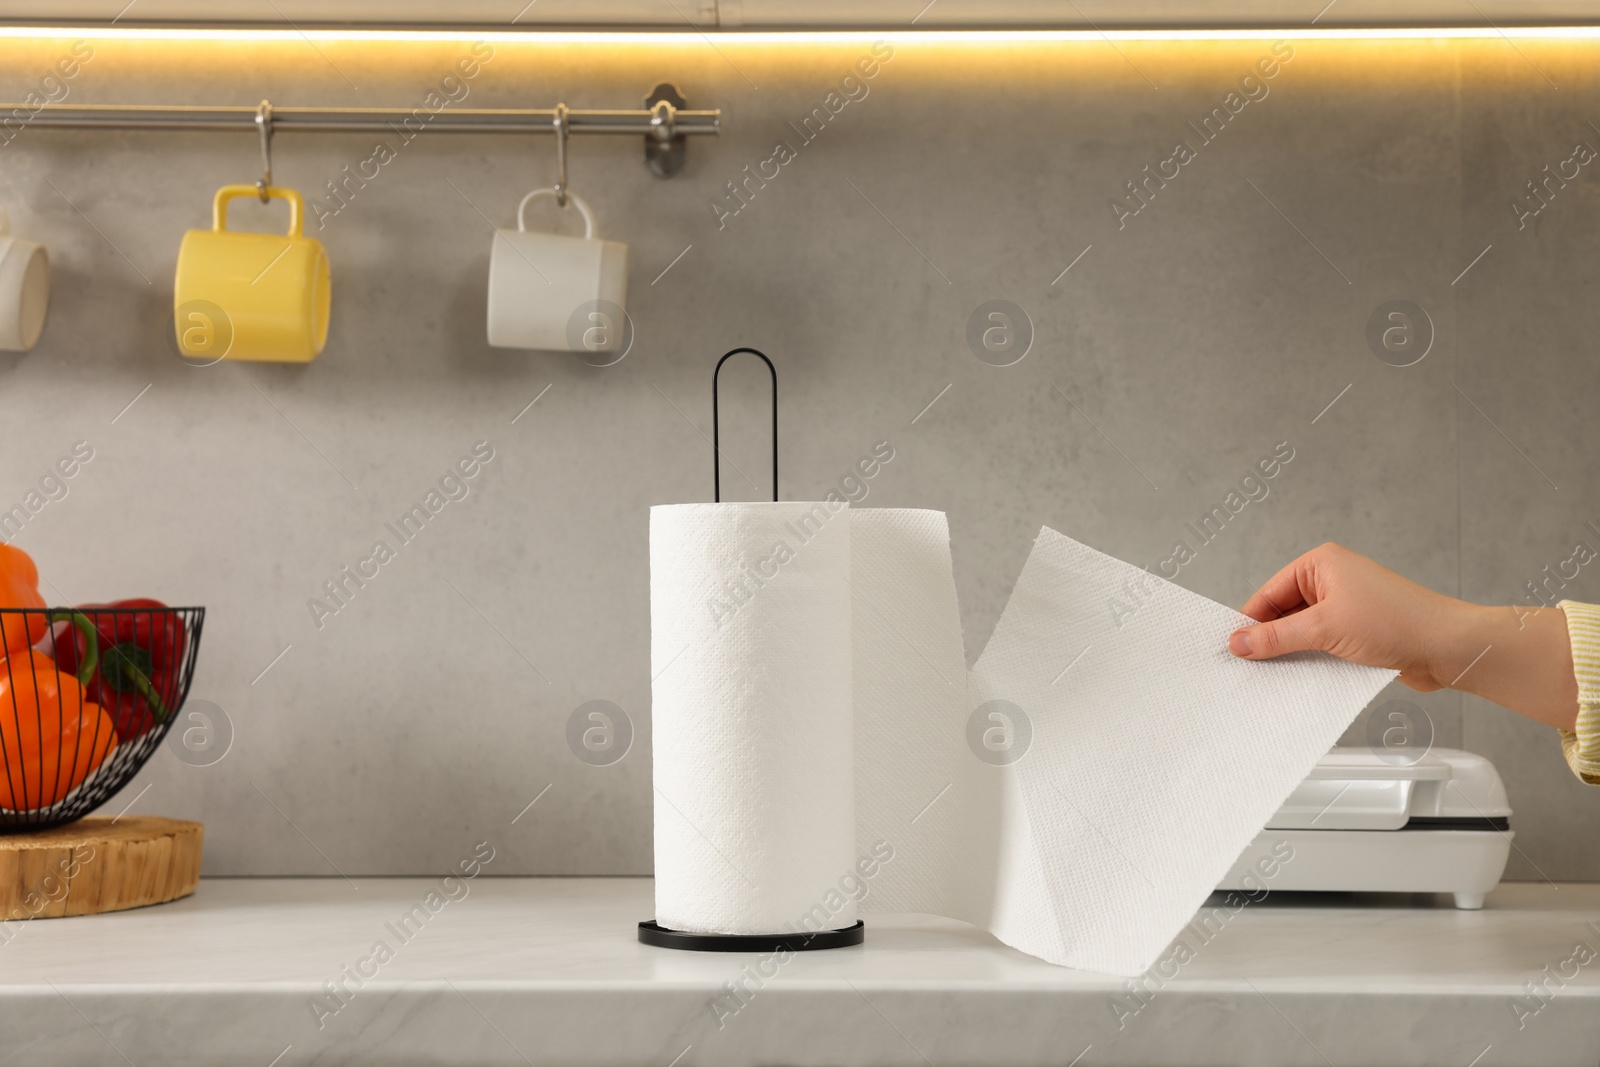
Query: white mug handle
(588, 216)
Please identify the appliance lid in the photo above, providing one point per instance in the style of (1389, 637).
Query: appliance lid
(1378, 789)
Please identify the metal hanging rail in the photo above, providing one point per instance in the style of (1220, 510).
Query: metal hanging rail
(664, 123)
(672, 123)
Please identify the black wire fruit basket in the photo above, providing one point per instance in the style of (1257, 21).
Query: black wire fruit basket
(87, 695)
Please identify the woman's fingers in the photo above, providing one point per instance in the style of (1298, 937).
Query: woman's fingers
(1299, 632)
(1285, 592)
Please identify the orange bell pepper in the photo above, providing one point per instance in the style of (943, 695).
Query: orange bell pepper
(51, 737)
(19, 588)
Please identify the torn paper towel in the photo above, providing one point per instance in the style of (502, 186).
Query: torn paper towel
(1079, 793)
(1156, 755)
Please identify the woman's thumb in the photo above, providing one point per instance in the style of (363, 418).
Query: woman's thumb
(1299, 632)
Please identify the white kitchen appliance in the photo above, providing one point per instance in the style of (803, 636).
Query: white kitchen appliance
(1375, 820)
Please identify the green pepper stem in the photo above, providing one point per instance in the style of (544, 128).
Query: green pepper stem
(145, 689)
(91, 642)
(91, 662)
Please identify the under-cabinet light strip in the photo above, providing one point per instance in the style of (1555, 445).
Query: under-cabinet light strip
(676, 38)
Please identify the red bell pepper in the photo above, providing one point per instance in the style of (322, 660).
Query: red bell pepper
(141, 653)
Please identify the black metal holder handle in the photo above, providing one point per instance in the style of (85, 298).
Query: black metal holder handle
(716, 429)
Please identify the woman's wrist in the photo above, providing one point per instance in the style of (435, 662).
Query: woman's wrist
(1519, 658)
(1455, 632)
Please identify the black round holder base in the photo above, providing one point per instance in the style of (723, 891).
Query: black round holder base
(652, 933)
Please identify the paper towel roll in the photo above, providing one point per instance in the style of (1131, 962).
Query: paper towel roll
(820, 744)
(750, 655)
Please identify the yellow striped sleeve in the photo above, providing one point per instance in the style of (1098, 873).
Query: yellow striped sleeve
(1582, 747)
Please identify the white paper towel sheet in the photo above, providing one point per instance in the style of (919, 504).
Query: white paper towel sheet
(1078, 793)
(956, 823)
(1156, 755)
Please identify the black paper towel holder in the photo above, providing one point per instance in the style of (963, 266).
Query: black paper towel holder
(652, 932)
(716, 425)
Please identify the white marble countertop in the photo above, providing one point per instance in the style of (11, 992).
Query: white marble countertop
(548, 971)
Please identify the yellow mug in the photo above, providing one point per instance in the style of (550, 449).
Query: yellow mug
(251, 296)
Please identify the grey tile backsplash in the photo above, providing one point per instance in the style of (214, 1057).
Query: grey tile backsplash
(1187, 313)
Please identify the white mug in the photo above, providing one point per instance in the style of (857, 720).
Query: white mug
(24, 289)
(557, 293)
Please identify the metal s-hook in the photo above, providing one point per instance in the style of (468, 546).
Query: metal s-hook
(264, 127)
(716, 428)
(562, 124)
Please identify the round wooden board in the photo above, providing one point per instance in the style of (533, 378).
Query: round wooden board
(98, 864)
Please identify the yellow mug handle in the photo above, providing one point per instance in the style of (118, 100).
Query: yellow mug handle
(219, 207)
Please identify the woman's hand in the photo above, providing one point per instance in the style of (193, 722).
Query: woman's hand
(1333, 600)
